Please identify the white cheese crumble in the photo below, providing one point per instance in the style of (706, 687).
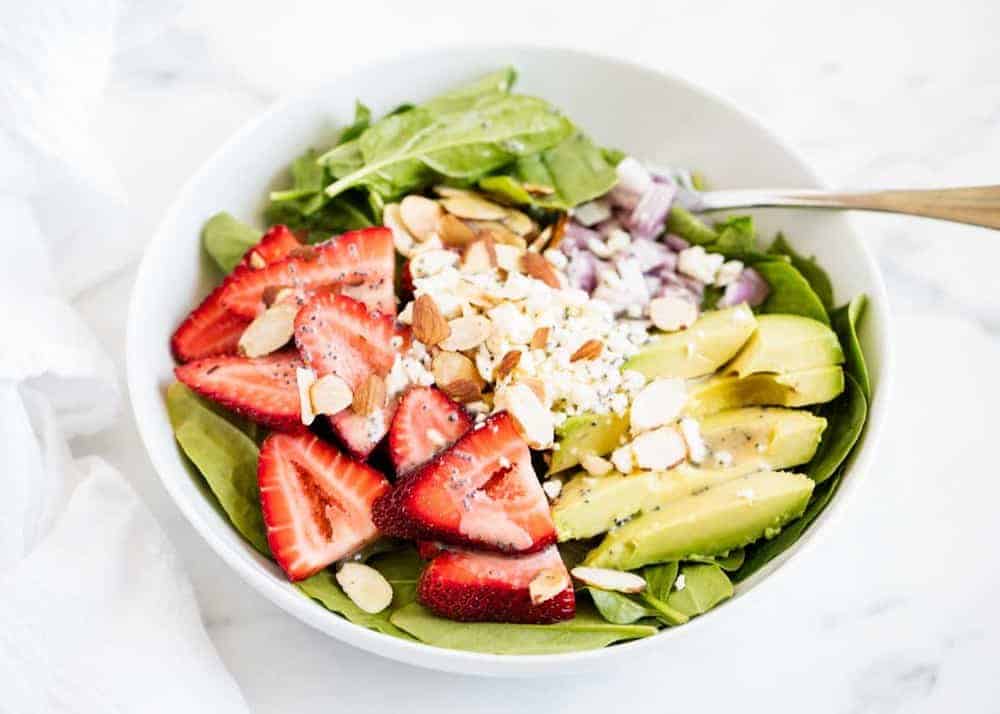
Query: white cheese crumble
(700, 264)
(679, 583)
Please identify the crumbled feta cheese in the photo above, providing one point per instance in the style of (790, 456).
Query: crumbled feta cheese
(729, 273)
(595, 465)
(592, 212)
(723, 458)
(432, 262)
(552, 488)
(557, 258)
(618, 240)
(699, 264)
(679, 582)
(633, 176)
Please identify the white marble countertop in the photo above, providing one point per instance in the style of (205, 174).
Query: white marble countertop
(896, 610)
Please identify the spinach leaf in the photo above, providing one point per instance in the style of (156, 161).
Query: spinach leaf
(790, 292)
(685, 224)
(362, 120)
(665, 612)
(845, 417)
(660, 578)
(346, 212)
(226, 239)
(323, 588)
(507, 188)
(845, 322)
(618, 608)
(402, 568)
(573, 552)
(705, 586)
(224, 455)
(736, 236)
(730, 562)
(461, 98)
(584, 632)
(817, 278)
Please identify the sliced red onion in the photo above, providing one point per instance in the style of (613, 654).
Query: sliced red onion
(622, 198)
(653, 283)
(693, 286)
(750, 288)
(652, 255)
(650, 215)
(606, 228)
(581, 271)
(581, 234)
(633, 176)
(679, 292)
(676, 242)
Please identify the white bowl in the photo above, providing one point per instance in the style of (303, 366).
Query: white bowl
(659, 118)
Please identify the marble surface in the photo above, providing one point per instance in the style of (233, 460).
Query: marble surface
(896, 610)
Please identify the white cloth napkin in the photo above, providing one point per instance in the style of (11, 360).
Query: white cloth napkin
(96, 613)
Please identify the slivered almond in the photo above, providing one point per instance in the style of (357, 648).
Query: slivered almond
(274, 294)
(480, 256)
(462, 391)
(454, 232)
(304, 252)
(520, 223)
(538, 189)
(500, 233)
(540, 338)
(538, 387)
(607, 579)
(591, 349)
(531, 417)
(401, 237)
(370, 395)
(539, 268)
(420, 216)
(429, 325)
(474, 208)
(558, 230)
(256, 261)
(539, 244)
(547, 584)
(509, 258)
(305, 379)
(366, 587)
(448, 367)
(270, 331)
(595, 465)
(507, 365)
(466, 333)
(452, 192)
(330, 395)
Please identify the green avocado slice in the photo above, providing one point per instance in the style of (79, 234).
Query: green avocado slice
(787, 343)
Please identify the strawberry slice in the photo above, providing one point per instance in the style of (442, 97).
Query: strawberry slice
(317, 502)
(275, 245)
(360, 264)
(211, 329)
(487, 587)
(338, 335)
(426, 422)
(481, 492)
(261, 389)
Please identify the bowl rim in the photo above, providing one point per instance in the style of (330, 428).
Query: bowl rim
(460, 661)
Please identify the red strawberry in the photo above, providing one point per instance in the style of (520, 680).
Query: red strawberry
(406, 279)
(426, 422)
(338, 335)
(481, 492)
(359, 264)
(430, 549)
(476, 587)
(274, 245)
(317, 502)
(211, 329)
(262, 389)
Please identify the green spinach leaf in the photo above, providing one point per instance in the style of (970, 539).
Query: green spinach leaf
(323, 588)
(660, 578)
(845, 417)
(362, 120)
(790, 292)
(588, 630)
(817, 278)
(730, 562)
(845, 322)
(705, 586)
(224, 455)
(226, 239)
(618, 608)
(685, 224)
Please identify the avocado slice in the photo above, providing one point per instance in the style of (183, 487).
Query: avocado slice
(754, 439)
(787, 343)
(723, 517)
(699, 350)
(794, 389)
(594, 433)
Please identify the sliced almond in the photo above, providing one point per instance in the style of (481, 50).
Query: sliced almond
(431, 262)
(466, 333)
(429, 325)
(500, 233)
(671, 313)
(532, 418)
(558, 230)
(448, 367)
(420, 216)
(257, 261)
(538, 387)
(474, 208)
(538, 189)
(304, 380)
(454, 231)
(659, 449)
(658, 403)
(370, 396)
(367, 587)
(552, 488)
(480, 256)
(330, 395)
(595, 465)
(304, 252)
(462, 391)
(509, 258)
(452, 192)
(591, 349)
(540, 338)
(539, 243)
(270, 331)
(274, 294)
(539, 268)
(402, 239)
(547, 584)
(608, 579)
(507, 365)
(520, 223)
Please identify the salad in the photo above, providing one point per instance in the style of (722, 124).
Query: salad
(485, 384)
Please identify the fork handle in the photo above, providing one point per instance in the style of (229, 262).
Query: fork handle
(975, 205)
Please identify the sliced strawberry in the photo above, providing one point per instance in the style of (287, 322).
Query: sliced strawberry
(211, 329)
(430, 549)
(406, 279)
(317, 502)
(426, 422)
(262, 389)
(338, 335)
(274, 245)
(361, 264)
(485, 587)
(481, 492)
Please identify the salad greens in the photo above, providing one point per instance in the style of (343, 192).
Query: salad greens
(226, 239)
(817, 278)
(705, 586)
